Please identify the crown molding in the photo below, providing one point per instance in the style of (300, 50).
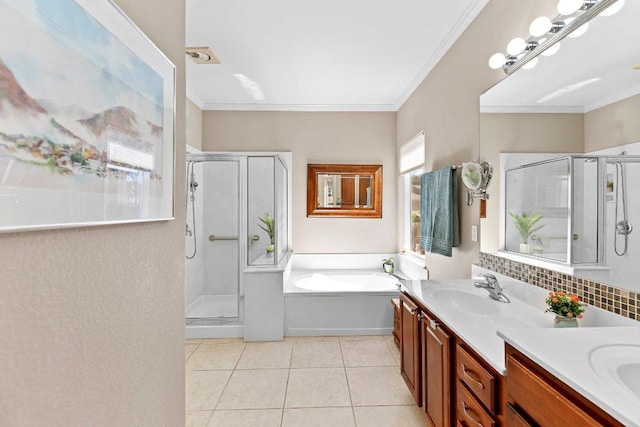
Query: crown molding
(300, 107)
(611, 99)
(470, 13)
(532, 109)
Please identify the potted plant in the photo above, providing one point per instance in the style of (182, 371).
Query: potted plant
(526, 227)
(387, 265)
(567, 308)
(269, 226)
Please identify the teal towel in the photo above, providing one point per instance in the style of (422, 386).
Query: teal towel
(439, 223)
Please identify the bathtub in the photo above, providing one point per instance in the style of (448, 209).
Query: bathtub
(329, 295)
(342, 281)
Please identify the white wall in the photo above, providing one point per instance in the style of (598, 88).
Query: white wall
(92, 319)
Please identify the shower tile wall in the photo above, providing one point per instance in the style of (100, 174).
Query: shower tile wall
(221, 217)
(620, 301)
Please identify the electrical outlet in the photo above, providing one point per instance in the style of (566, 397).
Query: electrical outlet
(474, 233)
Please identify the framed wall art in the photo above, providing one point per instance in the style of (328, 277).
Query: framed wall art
(87, 116)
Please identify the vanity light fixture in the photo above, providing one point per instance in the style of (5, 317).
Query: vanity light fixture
(572, 21)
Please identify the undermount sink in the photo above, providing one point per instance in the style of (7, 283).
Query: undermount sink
(467, 302)
(619, 366)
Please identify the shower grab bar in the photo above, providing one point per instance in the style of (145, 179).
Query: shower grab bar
(213, 238)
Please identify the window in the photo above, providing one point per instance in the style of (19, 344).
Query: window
(412, 156)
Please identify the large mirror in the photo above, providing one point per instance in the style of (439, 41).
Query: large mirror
(344, 190)
(583, 99)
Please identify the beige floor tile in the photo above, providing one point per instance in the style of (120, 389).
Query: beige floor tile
(318, 417)
(265, 355)
(389, 416)
(316, 339)
(215, 356)
(317, 387)
(222, 340)
(203, 388)
(361, 337)
(367, 353)
(197, 418)
(393, 348)
(188, 350)
(246, 418)
(194, 340)
(255, 389)
(316, 354)
(378, 386)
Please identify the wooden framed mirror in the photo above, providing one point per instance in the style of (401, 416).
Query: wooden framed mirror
(351, 191)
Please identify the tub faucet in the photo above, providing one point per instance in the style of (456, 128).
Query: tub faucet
(493, 287)
(400, 279)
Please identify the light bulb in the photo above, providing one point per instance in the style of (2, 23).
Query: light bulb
(579, 31)
(540, 26)
(613, 9)
(516, 46)
(529, 65)
(569, 7)
(552, 50)
(497, 60)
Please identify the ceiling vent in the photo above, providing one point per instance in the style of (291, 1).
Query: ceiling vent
(202, 55)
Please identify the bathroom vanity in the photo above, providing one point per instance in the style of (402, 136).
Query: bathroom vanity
(471, 361)
(451, 383)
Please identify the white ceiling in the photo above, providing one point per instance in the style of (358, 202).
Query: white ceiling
(606, 52)
(322, 55)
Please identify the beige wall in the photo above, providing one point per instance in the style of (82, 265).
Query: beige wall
(194, 125)
(521, 133)
(446, 106)
(613, 125)
(92, 319)
(366, 138)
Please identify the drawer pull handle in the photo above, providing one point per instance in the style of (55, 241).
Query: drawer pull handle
(468, 412)
(467, 375)
(412, 310)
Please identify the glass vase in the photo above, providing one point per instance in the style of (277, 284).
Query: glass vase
(565, 322)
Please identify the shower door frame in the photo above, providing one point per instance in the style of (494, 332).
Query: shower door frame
(242, 233)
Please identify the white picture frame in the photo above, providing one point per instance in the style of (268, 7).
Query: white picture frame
(87, 118)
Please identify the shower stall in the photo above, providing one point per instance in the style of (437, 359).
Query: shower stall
(578, 210)
(237, 218)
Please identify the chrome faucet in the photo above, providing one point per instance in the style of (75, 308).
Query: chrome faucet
(492, 286)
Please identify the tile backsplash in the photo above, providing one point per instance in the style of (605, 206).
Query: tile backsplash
(610, 298)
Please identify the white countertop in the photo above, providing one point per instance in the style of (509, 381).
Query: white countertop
(478, 330)
(523, 324)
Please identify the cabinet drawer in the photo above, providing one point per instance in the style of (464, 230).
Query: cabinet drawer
(469, 411)
(540, 400)
(479, 380)
(514, 418)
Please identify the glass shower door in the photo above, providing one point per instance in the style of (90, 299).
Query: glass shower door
(218, 242)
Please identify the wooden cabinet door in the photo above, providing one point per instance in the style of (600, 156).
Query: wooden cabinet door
(410, 345)
(436, 372)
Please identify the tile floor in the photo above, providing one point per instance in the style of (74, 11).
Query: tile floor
(301, 381)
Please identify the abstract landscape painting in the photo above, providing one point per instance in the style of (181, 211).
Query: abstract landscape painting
(86, 125)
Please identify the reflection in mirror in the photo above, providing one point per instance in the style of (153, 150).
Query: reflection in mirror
(591, 106)
(344, 190)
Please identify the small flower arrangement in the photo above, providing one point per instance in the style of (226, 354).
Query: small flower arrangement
(563, 305)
